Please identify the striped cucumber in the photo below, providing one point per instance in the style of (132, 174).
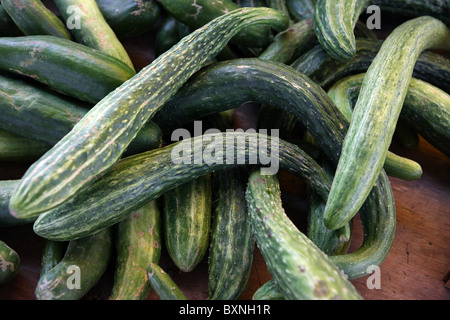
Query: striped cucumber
(163, 284)
(9, 263)
(334, 24)
(62, 172)
(33, 18)
(93, 31)
(301, 270)
(84, 263)
(139, 179)
(375, 115)
(15, 148)
(6, 219)
(64, 65)
(187, 222)
(232, 244)
(138, 243)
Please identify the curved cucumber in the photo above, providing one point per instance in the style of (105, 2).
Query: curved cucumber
(187, 222)
(139, 179)
(138, 243)
(300, 268)
(33, 18)
(63, 171)
(9, 263)
(52, 254)
(163, 284)
(64, 65)
(375, 115)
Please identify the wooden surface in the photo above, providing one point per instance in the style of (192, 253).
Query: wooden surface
(417, 267)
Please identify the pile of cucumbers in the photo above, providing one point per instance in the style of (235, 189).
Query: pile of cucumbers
(102, 189)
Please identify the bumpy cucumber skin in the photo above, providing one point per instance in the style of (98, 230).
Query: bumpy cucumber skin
(376, 114)
(33, 18)
(232, 244)
(91, 255)
(163, 284)
(127, 109)
(334, 24)
(14, 148)
(138, 243)
(141, 178)
(9, 263)
(64, 65)
(187, 222)
(130, 18)
(6, 219)
(300, 268)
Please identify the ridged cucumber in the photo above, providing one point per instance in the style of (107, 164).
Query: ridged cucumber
(62, 172)
(32, 17)
(9, 263)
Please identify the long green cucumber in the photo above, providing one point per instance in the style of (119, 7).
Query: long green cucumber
(232, 244)
(52, 254)
(93, 31)
(6, 219)
(375, 115)
(64, 65)
(138, 179)
(33, 18)
(63, 171)
(163, 284)
(130, 18)
(138, 243)
(187, 222)
(84, 263)
(426, 108)
(266, 83)
(9, 263)
(301, 270)
(8, 28)
(31, 110)
(15, 148)
(200, 12)
(334, 23)
(301, 9)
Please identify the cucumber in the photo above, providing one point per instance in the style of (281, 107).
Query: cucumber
(6, 219)
(301, 9)
(8, 27)
(232, 244)
(58, 175)
(301, 270)
(163, 284)
(138, 243)
(93, 31)
(268, 291)
(14, 148)
(138, 179)
(33, 18)
(167, 35)
(31, 110)
(130, 18)
(187, 222)
(426, 108)
(84, 263)
(201, 12)
(52, 254)
(375, 116)
(9, 263)
(63, 65)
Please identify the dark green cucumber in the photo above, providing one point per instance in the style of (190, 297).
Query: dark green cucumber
(6, 219)
(279, 5)
(15, 148)
(139, 179)
(301, 9)
(93, 31)
(167, 35)
(268, 291)
(163, 284)
(31, 110)
(200, 12)
(375, 116)
(33, 18)
(301, 270)
(232, 244)
(138, 243)
(334, 24)
(63, 65)
(63, 171)
(8, 28)
(187, 222)
(9, 263)
(251, 3)
(84, 263)
(426, 108)
(52, 254)
(130, 18)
